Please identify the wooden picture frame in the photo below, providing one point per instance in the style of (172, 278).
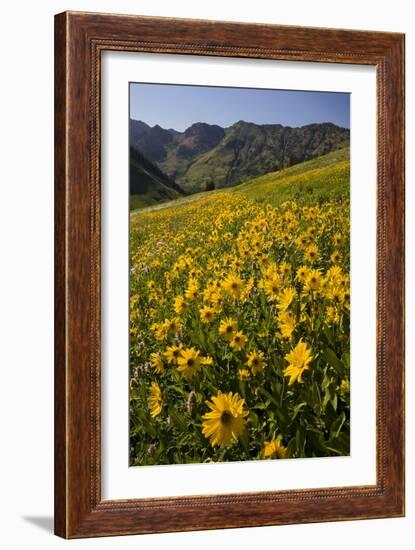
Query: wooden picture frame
(79, 40)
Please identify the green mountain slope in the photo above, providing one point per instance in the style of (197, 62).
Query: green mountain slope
(318, 180)
(207, 153)
(148, 184)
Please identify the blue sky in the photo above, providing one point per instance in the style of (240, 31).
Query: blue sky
(178, 107)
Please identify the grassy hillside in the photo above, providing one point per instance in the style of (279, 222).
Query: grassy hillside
(317, 180)
(148, 184)
(314, 181)
(239, 321)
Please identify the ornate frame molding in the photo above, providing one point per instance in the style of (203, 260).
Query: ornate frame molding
(79, 40)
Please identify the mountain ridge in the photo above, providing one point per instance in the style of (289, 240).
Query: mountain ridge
(205, 153)
(148, 183)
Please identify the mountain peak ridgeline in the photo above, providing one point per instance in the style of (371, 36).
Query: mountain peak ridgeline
(228, 156)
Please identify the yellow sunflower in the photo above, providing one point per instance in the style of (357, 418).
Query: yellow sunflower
(344, 387)
(285, 298)
(155, 400)
(287, 324)
(160, 330)
(244, 374)
(301, 273)
(274, 449)
(228, 328)
(256, 361)
(226, 419)
(192, 291)
(238, 342)
(332, 315)
(302, 241)
(336, 257)
(173, 324)
(314, 280)
(232, 285)
(180, 305)
(172, 354)
(285, 269)
(207, 314)
(247, 289)
(190, 362)
(272, 288)
(157, 362)
(311, 253)
(298, 361)
(346, 299)
(216, 301)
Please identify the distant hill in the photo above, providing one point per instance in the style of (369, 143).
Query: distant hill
(321, 179)
(148, 184)
(227, 156)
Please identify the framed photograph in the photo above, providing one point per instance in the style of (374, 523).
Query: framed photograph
(229, 275)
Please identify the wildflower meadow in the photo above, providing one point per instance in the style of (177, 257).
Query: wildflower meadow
(239, 326)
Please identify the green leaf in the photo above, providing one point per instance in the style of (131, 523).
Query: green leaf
(316, 397)
(178, 419)
(291, 448)
(331, 358)
(346, 360)
(270, 397)
(337, 425)
(326, 380)
(326, 399)
(149, 428)
(180, 390)
(276, 387)
(297, 409)
(254, 419)
(300, 441)
(261, 406)
(244, 439)
(317, 439)
(280, 364)
(333, 401)
(333, 450)
(328, 334)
